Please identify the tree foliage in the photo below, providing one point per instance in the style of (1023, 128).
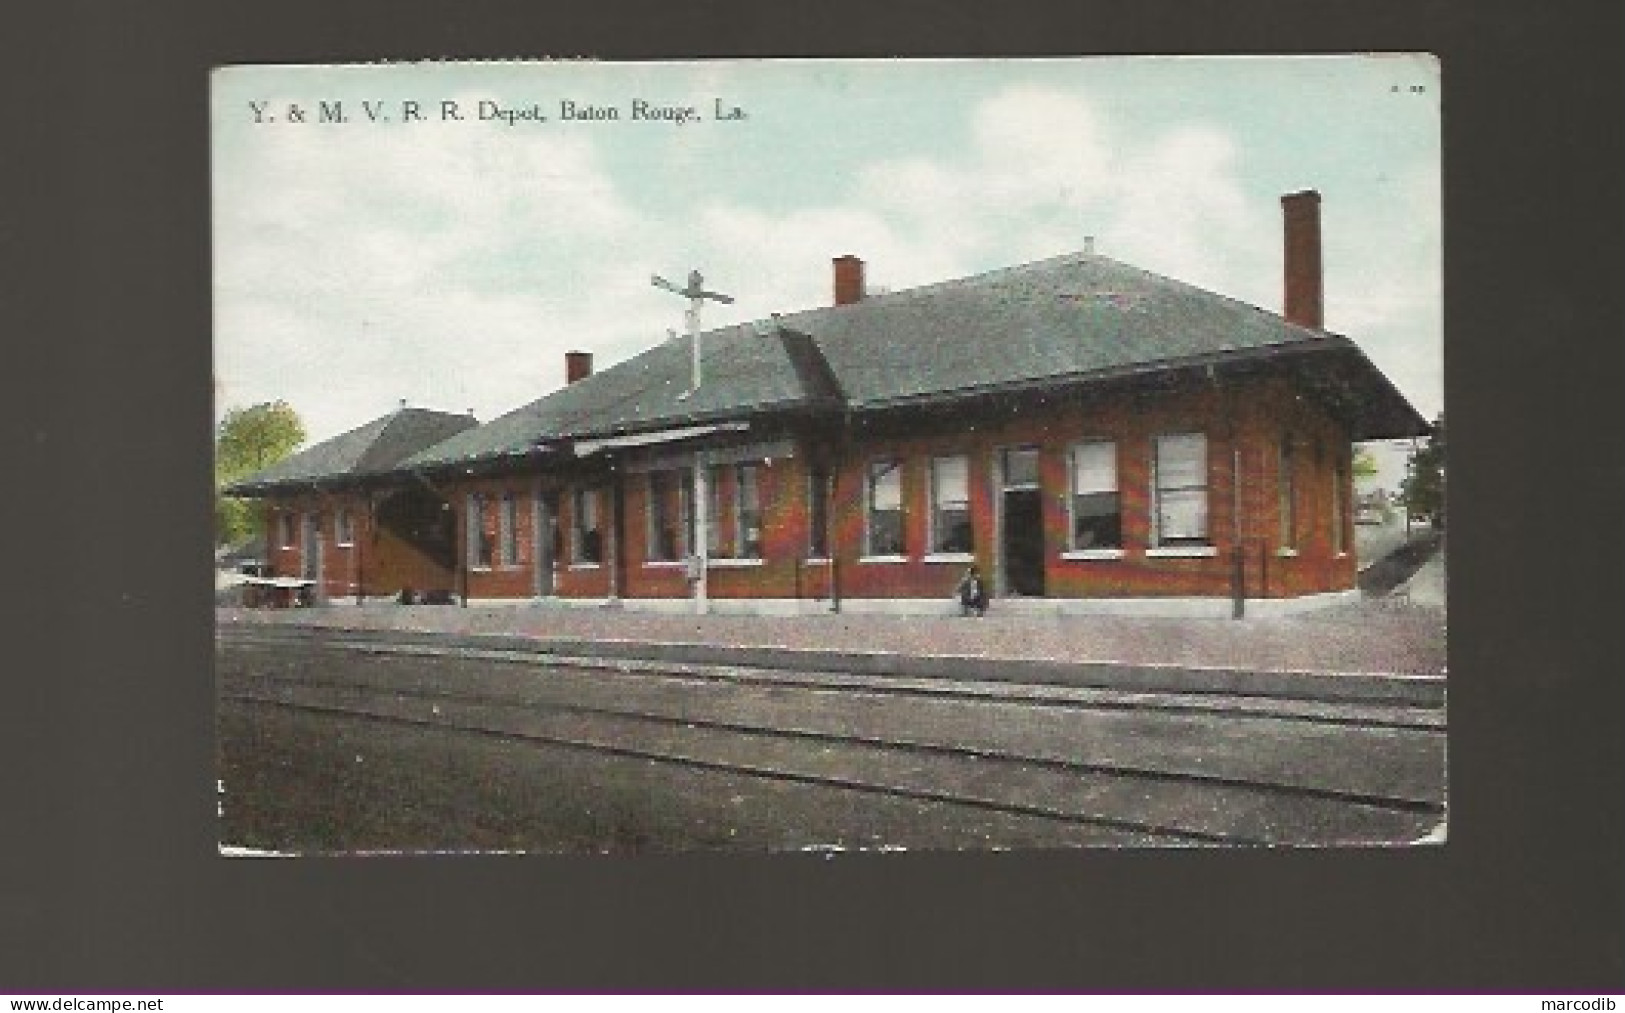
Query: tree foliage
(1423, 488)
(248, 440)
(1365, 463)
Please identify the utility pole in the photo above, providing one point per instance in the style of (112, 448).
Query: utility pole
(696, 295)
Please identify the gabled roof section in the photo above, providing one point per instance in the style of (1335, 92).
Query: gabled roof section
(374, 448)
(743, 370)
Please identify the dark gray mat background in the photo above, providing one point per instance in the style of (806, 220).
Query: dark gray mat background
(109, 881)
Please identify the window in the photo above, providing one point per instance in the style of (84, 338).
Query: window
(1181, 489)
(669, 525)
(508, 530)
(818, 512)
(1286, 494)
(1097, 513)
(481, 546)
(748, 512)
(343, 528)
(289, 522)
(950, 505)
(885, 503)
(586, 541)
(1340, 487)
(713, 513)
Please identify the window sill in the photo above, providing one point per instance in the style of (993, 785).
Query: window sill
(1093, 554)
(344, 545)
(585, 566)
(1182, 552)
(817, 560)
(725, 562)
(1286, 553)
(949, 557)
(882, 559)
(664, 564)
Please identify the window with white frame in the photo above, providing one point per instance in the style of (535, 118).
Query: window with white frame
(1340, 490)
(508, 530)
(669, 525)
(884, 495)
(481, 546)
(1286, 491)
(713, 513)
(290, 523)
(343, 527)
(950, 505)
(1180, 501)
(586, 536)
(818, 512)
(1097, 508)
(748, 511)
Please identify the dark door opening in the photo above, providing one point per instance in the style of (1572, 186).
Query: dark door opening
(1024, 542)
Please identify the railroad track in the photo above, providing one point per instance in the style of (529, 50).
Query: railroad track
(786, 736)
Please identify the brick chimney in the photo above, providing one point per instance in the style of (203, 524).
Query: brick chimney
(1304, 301)
(577, 366)
(848, 280)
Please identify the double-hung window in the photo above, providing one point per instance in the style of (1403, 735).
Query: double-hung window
(586, 537)
(667, 537)
(481, 546)
(343, 527)
(950, 505)
(1181, 490)
(818, 512)
(1097, 510)
(713, 513)
(884, 494)
(748, 511)
(1340, 492)
(1286, 491)
(508, 530)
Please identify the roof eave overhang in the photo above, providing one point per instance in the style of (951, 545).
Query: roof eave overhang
(1215, 361)
(1384, 413)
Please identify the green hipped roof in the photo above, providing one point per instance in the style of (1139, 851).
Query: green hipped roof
(1066, 319)
(375, 448)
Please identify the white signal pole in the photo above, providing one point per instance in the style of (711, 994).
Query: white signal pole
(696, 295)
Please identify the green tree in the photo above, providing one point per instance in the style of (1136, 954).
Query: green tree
(1365, 463)
(248, 440)
(1423, 488)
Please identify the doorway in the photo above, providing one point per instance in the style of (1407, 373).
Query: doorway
(1021, 513)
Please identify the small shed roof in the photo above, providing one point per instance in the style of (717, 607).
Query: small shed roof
(375, 448)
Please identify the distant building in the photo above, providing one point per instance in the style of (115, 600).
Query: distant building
(1093, 436)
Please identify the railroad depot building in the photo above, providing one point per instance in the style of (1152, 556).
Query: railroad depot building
(1094, 437)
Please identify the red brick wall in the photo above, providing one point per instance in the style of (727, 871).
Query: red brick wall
(377, 560)
(1251, 420)
(504, 577)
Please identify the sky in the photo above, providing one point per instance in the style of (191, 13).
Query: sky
(450, 256)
